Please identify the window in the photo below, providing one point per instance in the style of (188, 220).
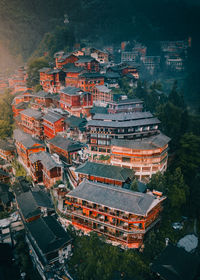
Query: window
(125, 159)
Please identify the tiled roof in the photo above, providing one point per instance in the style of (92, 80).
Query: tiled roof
(159, 141)
(85, 59)
(46, 159)
(91, 75)
(71, 91)
(115, 197)
(52, 117)
(74, 122)
(48, 234)
(123, 116)
(103, 89)
(6, 145)
(32, 113)
(66, 144)
(26, 139)
(123, 124)
(105, 171)
(127, 101)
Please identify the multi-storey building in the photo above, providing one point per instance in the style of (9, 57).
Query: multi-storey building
(100, 56)
(125, 106)
(45, 169)
(103, 173)
(63, 59)
(65, 148)
(88, 63)
(72, 75)
(121, 215)
(102, 95)
(50, 246)
(31, 122)
(51, 80)
(26, 145)
(151, 63)
(87, 81)
(53, 123)
(76, 101)
(145, 156)
(7, 149)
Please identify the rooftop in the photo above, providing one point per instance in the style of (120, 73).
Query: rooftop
(52, 116)
(123, 116)
(127, 101)
(105, 171)
(65, 144)
(85, 59)
(152, 142)
(71, 91)
(91, 75)
(103, 89)
(46, 159)
(48, 234)
(27, 140)
(32, 113)
(7, 145)
(115, 197)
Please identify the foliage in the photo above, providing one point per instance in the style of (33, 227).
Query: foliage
(4, 215)
(134, 185)
(34, 66)
(6, 116)
(19, 169)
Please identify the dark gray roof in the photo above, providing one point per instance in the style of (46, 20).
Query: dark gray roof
(123, 116)
(66, 144)
(127, 101)
(176, 264)
(45, 158)
(22, 105)
(85, 59)
(91, 75)
(105, 171)
(112, 75)
(98, 110)
(32, 113)
(30, 202)
(26, 139)
(71, 91)
(52, 117)
(70, 67)
(123, 124)
(152, 142)
(115, 197)
(76, 122)
(48, 234)
(41, 94)
(44, 69)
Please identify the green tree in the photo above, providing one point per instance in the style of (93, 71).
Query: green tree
(34, 66)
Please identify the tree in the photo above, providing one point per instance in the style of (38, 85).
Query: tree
(34, 66)
(175, 97)
(134, 185)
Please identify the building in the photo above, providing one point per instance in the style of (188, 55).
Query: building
(26, 145)
(32, 204)
(102, 95)
(63, 59)
(53, 123)
(50, 246)
(151, 64)
(42, 98)
(76, 101)
(125, 106)
(6, 197)
(87, 81)
(174, 64)
(103, 173)
(67, 150)
(44, 168)
(76, 128)
(146, 156)
(121, 215)
(100, 56)
(7, 150)
(88, 63)
(31, 122)
(51, 80)
(103, 127)
(72, 75)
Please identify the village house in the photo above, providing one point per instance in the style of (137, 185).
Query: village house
(87, 81)
(7, 149)
(121, 215)
(17, 82)
(72, 75)
(100, 56)
(103, 173)
(32, 204)
(151, 64)
(45, 169)
(76, 128)
(51, 80)
(67, 150)
(31, 122)
(125, 106)
(26, 145)
(53, 123)
(88, 63)
(49, 245)
(102, 95)
(63, 59)
(42, 98)
(76, 101)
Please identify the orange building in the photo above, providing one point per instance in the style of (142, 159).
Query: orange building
(87, 81)
(63, 59)
(121, 215)
(76, 101)
(51, 80)
(145, 156)
(72, 75)
(88, 63)
(7, 149)
(53, 123)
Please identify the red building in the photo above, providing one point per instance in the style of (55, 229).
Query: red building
(75, 101)
(72, 75)
(65, 148)
(53, 123)
(7, 149)
(51, 79)
(45, 169)
(26, 145)
(103, 173)
(31, 122)
(63, 59)
(88, 63)
(121, 215)
(87, 81)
